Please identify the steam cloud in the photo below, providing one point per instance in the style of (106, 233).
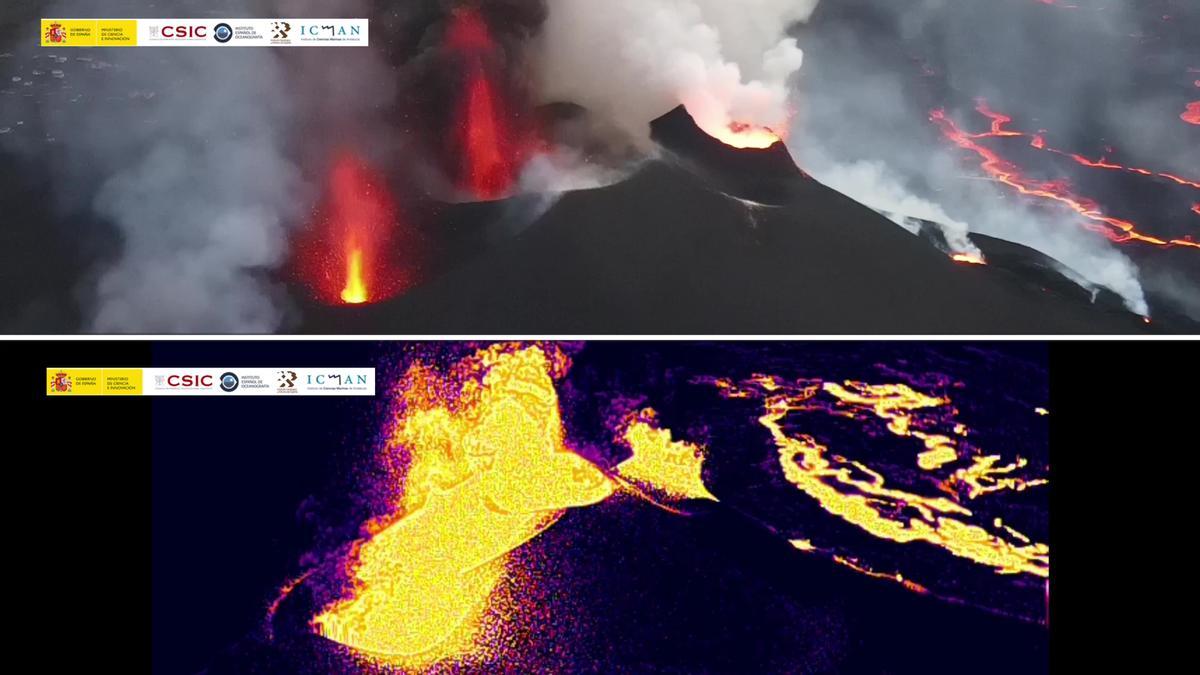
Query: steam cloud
(862, 128)
(186, 154)
(633, 60)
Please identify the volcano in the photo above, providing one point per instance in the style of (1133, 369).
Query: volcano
(709, 238)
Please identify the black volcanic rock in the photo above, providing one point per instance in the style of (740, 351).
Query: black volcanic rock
(715, 240)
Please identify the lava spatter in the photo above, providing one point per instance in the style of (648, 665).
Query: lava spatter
(358, 248)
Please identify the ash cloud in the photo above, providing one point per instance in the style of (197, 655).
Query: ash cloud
(1080, 73)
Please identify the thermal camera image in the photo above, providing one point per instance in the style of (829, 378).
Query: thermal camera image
(617, 507)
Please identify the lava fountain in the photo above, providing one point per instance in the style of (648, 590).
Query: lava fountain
(347, 255)
(489, 143)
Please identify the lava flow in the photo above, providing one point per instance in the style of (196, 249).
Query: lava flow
(346, 256)
(862, 496)
(1192, 114)
(1007, 173)
(485, 469)
(489, 140)
(968, 259)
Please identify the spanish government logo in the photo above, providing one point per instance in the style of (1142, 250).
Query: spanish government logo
(57, 34)
(60, 382)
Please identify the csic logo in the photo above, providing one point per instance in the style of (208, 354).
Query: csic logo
(287, 379)
(180, 32)
(280, 30)
(229, 382)
(223, 33)
(56, 33)
(185, 381)
(61, 382)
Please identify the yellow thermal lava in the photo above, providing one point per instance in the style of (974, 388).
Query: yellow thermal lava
(983, 477)
(488, 472)
(808, 547)
(660, 465)
(860, 495)
(355, 292)
(937, 457)
(894, 403)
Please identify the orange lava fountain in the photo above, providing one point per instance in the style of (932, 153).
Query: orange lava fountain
(488, 139)
(348, 255)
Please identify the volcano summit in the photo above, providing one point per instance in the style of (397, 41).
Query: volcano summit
(709, 238)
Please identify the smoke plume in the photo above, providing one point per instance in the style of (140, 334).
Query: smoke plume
(630, 61)
(875, 70)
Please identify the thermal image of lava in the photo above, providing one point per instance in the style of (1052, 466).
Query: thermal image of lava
(488, 469)
(1058, 192)
(480, 463)
(487, 474)
(860, 495)
(669, 468)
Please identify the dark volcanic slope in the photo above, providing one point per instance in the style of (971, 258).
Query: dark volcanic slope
(670, 250)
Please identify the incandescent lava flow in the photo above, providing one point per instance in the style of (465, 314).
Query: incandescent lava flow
(1006, 172)
(490, 141)
(1192, 114)
(353, 251)
(742, 136)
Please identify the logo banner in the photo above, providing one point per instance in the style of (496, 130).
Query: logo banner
(204, 33)
(210, 381)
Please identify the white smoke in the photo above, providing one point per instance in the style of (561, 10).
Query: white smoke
(633, 60)
(181, 152)
(862, 130)
(873, 184)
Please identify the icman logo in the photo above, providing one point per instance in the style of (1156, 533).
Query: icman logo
(61, 382)
(56, 33)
